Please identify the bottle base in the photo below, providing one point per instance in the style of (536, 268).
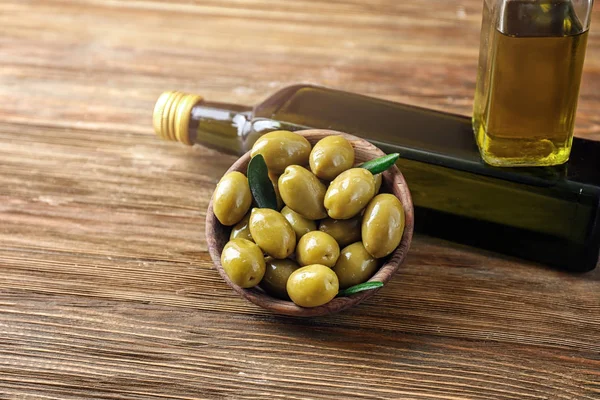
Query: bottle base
(521, 162)
(511, 152)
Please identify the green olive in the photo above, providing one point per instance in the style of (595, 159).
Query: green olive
(272, 233)
(241, 230)
(300, 224)
(382, 225)
(232, 198)
(344, 231)
(303, 192)
(312, 285)
(355, 265)
(331, 156)
(378, 180)
(276, 276)
(349, 193)
(243, 262)
(317, 248)
(282, 148)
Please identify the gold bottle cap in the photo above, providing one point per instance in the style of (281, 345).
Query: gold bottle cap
(171, 117)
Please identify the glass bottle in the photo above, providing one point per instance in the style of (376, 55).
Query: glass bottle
(549, 215)
(530, 64)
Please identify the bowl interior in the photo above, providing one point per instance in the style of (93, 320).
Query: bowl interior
(217, 235)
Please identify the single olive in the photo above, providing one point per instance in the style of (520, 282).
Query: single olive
(241, 230)
(382, 225)
(355, 265)
(331, 156)
(349, 193)
(276, 276)
(272, 233)
(243, 262)
(378, 180)
(317, 248)
(303, 192)
(282, 148)
(344, 231)
(274, 179)
(312, 285)
(300, 224)
(232, 198)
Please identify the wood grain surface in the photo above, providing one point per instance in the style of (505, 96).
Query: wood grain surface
(106, 288)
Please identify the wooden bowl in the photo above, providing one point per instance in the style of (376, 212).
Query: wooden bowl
(217, 235)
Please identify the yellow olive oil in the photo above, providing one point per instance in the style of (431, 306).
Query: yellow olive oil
(528, 82)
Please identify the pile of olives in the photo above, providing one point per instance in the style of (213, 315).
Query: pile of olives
(330, 227)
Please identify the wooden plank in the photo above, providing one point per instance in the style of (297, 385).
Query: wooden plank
(74, 348)
(106, 288)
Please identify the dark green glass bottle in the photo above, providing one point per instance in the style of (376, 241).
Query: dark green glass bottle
(544, 214)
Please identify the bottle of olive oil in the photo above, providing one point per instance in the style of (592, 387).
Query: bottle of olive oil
(530, 66)
(549, 215)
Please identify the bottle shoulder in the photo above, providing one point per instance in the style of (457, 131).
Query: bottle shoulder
(271, 105)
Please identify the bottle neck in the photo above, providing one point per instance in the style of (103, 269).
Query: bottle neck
(229, 128)
(220, 126)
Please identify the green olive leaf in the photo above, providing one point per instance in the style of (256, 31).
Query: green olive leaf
(380, 164)
(260, 185)
(359, 288)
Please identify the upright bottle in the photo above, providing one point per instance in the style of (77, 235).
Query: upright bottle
(550, 215)
(530, 64)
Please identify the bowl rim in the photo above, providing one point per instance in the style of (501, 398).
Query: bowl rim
(391, 178)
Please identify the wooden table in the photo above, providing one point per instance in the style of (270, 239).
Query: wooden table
(106, 288)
